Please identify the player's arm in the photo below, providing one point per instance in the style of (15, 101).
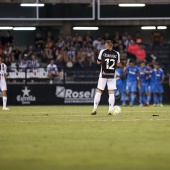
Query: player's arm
(5, 76)
(127, 64)
(118, 60)
(124, 70)
(5, 73)
(57, 73)
(48, 70)
(162, 80)
(99, 59)
(138, 78)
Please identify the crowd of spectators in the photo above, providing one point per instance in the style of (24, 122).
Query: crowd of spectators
(71, 50)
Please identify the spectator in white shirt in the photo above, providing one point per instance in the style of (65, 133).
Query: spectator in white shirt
(33, 65)
(24, 63)
(52, 71)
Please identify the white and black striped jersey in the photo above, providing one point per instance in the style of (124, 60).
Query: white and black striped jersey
(109, 60)
(3, 72)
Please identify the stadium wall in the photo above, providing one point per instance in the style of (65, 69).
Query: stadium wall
(62, 94)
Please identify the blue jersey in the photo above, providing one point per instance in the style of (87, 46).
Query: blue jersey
(158, 75)
(152, 76)
(119, 72)
(124, 83)
(132, 73)
(144, 75)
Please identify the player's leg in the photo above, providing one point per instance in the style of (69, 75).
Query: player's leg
(140, 99)
(4, 96)
(148, 98)
(155, 99)
(123, 98)
(123, 94)
(160, 99)
(133, 95)
(144, 99)
(50, 76)
(160, 95)
(100, 87)
(155, 95)
(132, 98)
(4, 100)
(119, 87)
(145, 94)
(96, 101)
(128, 90)
(111, 101)
(141, 96)
(111, 84)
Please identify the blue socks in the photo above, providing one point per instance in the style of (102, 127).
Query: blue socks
(132, 98)
(148, 98)
(123, 98)
(160, 98)
(155, 99)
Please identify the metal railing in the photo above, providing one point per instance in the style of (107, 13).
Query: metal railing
(40, 75)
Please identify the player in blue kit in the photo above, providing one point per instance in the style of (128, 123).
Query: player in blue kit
(143, 88)
(123, 97)
(151, 85)
(159, 79)
(131, 82)
(119, 82)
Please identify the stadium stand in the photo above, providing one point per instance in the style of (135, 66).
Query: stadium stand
(78, 64)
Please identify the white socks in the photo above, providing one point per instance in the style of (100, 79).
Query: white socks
(111, 101)
(4, 99)
(97, 100)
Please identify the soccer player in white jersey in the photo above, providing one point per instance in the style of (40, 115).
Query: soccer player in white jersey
(108, 58)
(3, 85)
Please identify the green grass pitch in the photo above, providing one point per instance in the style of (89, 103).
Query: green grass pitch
(69, 138)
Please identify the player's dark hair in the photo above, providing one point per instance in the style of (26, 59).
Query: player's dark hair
(122, 63)
(109, 42)
(142, 62)
(151, 65)
(131, 61)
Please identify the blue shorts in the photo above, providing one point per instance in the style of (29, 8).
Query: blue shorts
(143, 88)
(131, 87)
(158, 88)
(119, 85)
(151, 88)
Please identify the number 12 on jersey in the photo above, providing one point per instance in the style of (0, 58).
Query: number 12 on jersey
(110, 63)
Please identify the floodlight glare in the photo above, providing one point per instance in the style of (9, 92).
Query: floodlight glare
(85, 28)
(161, 27)
(24, 28)
(131, 5)
(31, 5)
(148, 28)
(6, 28)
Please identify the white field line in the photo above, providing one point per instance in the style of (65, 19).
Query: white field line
(88, 120)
